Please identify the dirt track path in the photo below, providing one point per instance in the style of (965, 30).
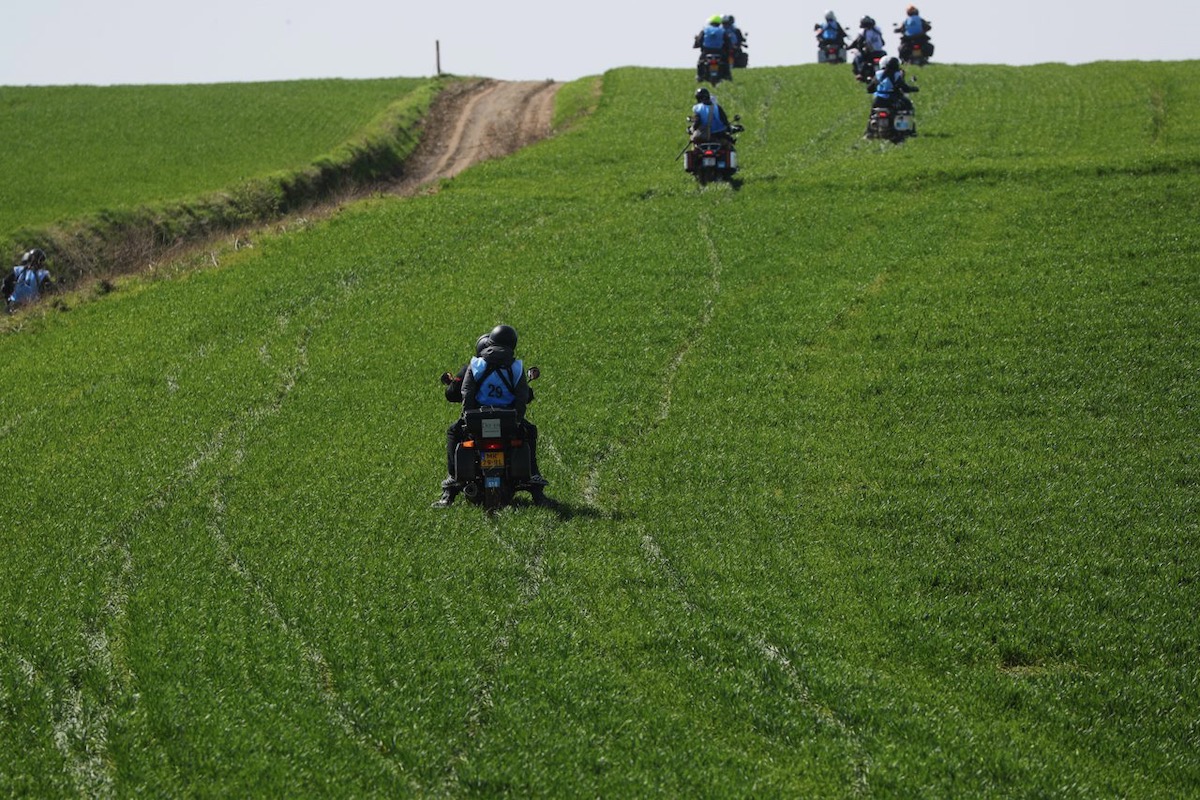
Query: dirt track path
(475, 121)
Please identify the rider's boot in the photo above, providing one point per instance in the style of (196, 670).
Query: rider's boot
(450, 490)
(538, 493)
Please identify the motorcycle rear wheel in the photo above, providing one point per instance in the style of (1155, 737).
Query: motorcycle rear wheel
(496, 499)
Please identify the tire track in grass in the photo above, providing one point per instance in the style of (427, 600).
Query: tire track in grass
(616, 447)
(759, 644)
(317, 666)
(73, 730)
(826, 715)
(81, 723)
(320, 673)
(661, 562)
(482, 700)
(773, 654)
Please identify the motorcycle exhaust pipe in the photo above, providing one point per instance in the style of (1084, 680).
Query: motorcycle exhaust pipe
(471, 490)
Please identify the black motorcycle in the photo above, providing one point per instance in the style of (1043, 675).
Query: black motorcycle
(493, 461)
(831, 51)
(713, 159)
(714, 68)
(865, 66)
(916, 49)
(892, 124)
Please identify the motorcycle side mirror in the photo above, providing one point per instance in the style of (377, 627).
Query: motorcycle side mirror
(446, 378)
(534, 373)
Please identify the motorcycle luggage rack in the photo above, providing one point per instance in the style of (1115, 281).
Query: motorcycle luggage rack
(491, 423)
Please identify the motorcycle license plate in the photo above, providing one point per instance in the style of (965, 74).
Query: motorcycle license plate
(710, 162)
(491, 483)
(902, 123)
(493, 460)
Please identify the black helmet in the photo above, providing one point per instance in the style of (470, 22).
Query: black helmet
(727, 19)
(503, 336)
(892, 64)
(482, 344)
(702, 95)
(866, 22)
(33, 258)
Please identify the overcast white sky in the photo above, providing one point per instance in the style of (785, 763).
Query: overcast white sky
(210, 41)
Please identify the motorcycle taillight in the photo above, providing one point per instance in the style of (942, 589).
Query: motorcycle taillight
(493, 445)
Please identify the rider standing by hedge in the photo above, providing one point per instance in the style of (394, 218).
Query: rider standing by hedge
(27, 281)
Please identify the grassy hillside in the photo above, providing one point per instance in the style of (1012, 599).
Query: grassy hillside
(109, 180)
(877, 475)
(74, 150)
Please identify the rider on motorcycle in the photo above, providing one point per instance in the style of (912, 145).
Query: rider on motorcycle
(831, 30)
(735, 41)
(869, 45)
(495, 378)
(714, 39)
(709, 122)
(890, 90)
(914, 30)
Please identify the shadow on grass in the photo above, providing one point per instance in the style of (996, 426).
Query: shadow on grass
(565, 511)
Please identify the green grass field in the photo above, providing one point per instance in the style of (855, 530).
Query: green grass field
(877, 475)
(75, 150)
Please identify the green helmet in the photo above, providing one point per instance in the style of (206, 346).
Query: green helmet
(715, 19)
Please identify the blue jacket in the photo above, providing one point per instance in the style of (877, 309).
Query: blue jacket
(713, 37)
(885, 87)
(832, 31)
(708, 117)
(28, 285)
(914, 26)
(874, 39)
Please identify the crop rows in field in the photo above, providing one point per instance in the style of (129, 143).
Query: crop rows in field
(876, 475)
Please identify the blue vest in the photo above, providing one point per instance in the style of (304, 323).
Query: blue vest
(732, 36)
(884, 86)
(829, 31)
(713, 38)
(874, 39)
(709, 116)
(498, 389)
(29, 284)
(914, 26)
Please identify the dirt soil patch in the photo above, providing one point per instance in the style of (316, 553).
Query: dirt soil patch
(468, 122)
(475, 121)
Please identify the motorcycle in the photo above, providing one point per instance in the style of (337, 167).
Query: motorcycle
(831, 51)
(893, 124)
(713, 160)
(865, 68)
(493, 461)
(714, 68)
(741, 59)
(915, 51)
